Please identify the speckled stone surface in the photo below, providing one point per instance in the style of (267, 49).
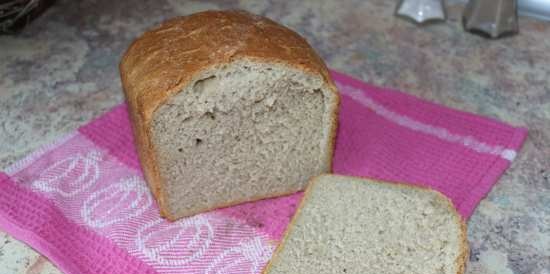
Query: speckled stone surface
(62, 71)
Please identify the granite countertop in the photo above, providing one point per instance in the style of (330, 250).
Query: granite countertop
(62, 71)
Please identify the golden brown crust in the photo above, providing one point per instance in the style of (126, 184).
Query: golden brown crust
(460, 261)
(161, 62)
(334, 109)
(465, 254)
(464, 249)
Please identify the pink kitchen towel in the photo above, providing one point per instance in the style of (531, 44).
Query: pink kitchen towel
(82, 201)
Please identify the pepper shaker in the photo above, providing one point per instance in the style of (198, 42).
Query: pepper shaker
(491, 18)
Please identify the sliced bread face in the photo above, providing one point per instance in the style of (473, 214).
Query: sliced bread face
(355, 225)
(241, 132)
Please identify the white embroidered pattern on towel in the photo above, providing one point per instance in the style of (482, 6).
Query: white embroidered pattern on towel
(59, 177)
(96, 190)
(116, 203)
(177, 243)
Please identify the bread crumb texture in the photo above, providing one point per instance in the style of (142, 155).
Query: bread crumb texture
(352, 225)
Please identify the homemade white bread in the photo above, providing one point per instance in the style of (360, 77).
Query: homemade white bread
(355, 225)
(227, 107)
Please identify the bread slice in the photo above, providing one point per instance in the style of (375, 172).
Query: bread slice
(227, 107)
(355, 225)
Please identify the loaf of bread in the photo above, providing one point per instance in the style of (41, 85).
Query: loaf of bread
(227, 107)
(352, 225)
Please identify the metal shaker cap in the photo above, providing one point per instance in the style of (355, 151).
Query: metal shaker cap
(421, 11)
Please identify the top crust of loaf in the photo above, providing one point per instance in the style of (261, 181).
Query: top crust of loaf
(464, 249)
(161, 62)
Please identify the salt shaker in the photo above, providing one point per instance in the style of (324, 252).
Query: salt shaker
(421, 11)
(491, 18)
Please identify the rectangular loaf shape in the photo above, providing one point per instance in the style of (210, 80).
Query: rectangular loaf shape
(227, 107)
